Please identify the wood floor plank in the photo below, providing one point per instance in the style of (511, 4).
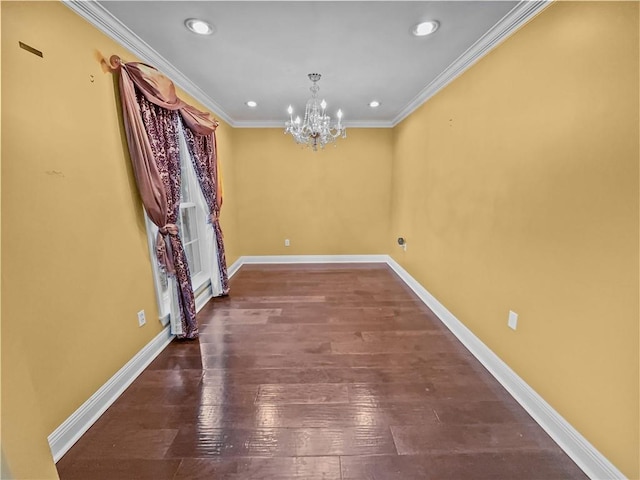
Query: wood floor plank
(393, 345)
(202, 441)
(473, 411)
(271, 415)
(287, 394)
(262, 361)
(199, 394)
(258, 340)
(334, 372)
(382, 393)
(128, 443)
(529, 465)
(412, 439)
(407, 323)
(127, 468)
(278, 468)
(279, 348)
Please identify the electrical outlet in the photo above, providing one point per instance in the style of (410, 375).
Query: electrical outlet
(141, 318)
(286, 242)
(513, 320)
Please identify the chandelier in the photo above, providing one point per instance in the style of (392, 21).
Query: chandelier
(316, 129)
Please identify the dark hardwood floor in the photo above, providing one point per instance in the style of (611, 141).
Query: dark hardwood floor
(316, 372)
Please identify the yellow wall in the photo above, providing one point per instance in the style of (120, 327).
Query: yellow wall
(25, 450)
(333, 201)
(76, 266)
(517, 188)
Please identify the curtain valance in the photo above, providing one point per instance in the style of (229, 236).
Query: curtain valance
(161, 91)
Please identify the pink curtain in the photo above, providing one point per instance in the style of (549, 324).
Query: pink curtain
(203, 155)
(150, 111)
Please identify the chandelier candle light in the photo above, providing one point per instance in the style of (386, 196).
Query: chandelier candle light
(316, 129)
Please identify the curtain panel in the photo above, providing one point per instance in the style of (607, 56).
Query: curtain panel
(150, 111)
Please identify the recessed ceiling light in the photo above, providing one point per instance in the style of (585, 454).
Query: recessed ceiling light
(252, 104)
(425, 28)
(374, 104)
(198, 26)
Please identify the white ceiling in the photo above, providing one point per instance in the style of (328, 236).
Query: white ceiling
(264, 50)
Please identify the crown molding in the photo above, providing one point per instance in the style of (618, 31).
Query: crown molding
(512, 21)
(104, 21)
(280, 124)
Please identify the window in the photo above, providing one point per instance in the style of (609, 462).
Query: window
(192, 223)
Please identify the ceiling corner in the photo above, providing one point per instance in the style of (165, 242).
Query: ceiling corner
(524, 11)
(104, 21)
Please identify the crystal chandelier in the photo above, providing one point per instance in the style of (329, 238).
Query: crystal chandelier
(316, 129)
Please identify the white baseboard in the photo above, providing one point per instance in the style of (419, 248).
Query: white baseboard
(234, 267)
(204, 297)
(63, 437)
(578, 448)
(67, 434)
(266, 259)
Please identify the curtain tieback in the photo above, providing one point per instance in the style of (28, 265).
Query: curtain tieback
(166, 260)
(213, 219)
(169, 229)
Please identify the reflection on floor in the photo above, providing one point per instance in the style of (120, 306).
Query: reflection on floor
(316, 372)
